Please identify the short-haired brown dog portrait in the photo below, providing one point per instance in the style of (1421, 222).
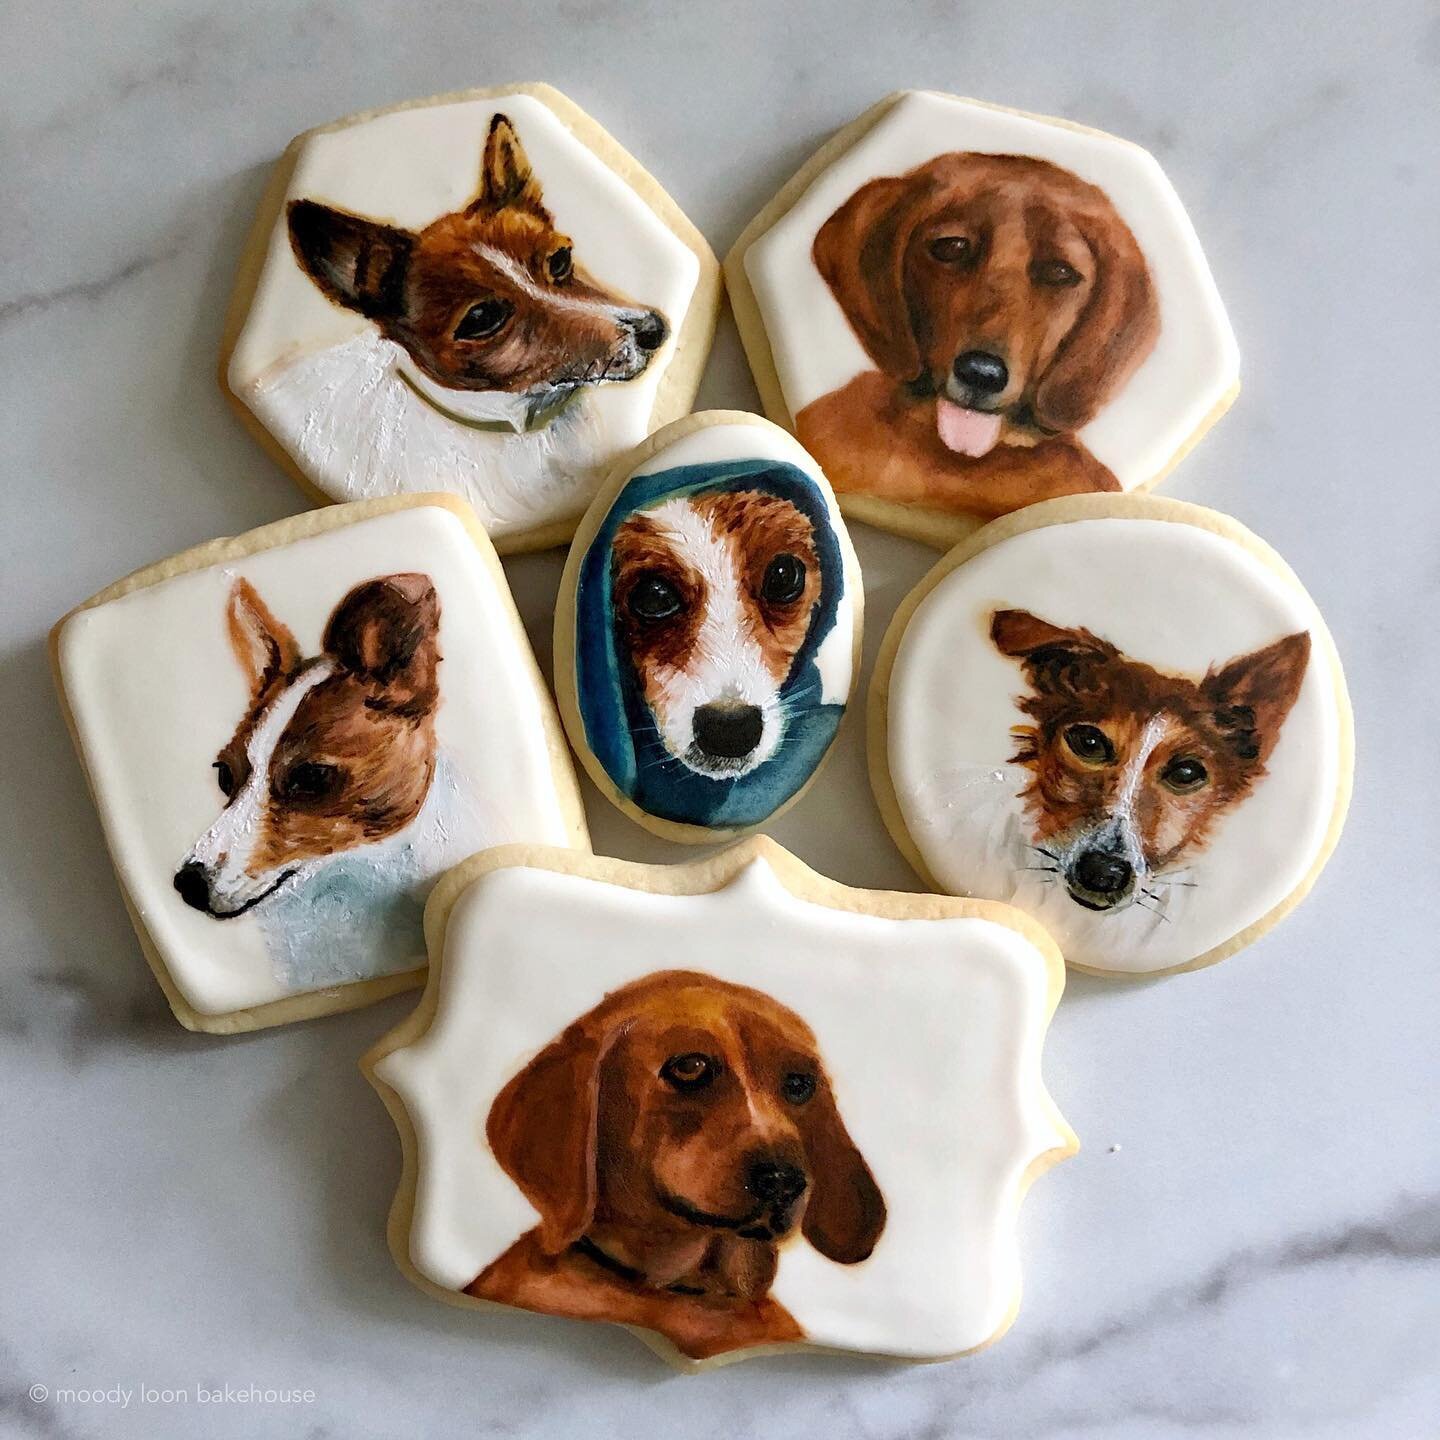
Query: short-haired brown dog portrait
(1003, 302)
(671, 1139)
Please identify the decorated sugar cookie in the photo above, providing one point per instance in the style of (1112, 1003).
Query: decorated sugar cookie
(759, 1110)
(708, 627)
(290, 734)
(1123, 715)
(962, 309)
(480, 293)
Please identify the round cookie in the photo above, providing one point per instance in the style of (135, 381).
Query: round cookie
(707, 629)
(733, 1126)
(480, 292)
(1125, 716)
(961, 309)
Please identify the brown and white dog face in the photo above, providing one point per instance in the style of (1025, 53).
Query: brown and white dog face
(335, 752)
(486, 298)
(683, 1104)
(1001, 289)
(714, 596)
(1130, 766)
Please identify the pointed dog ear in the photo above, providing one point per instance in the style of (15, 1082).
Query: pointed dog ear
(506, 176)
(1115, 332)
(542, 1130)
(264, 647)
(388, 632)
(357, 263)
(1254, 693)
(860, 253)
(1056, 660)
(846, 1213)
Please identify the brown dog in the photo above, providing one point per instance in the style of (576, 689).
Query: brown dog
(1004, 302)
(1132, 767)
(670, 1138)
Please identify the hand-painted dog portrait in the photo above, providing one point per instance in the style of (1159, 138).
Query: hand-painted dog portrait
(1002, 302)
(703, 609)
(672, 1139)
(1130, 768)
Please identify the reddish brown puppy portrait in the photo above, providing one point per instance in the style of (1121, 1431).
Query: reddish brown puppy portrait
(672, 1139)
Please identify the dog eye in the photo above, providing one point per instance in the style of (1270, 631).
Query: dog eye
(784, 580)
(559, 265)
(483, 320)
(950, 249)
(1186, 773)
(225, 777)
(798, 1087)
(309, 780)
(688, 1073)
(1090, 745)
(652, 597)
(1054, 272)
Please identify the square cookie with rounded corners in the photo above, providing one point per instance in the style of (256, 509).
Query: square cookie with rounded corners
(731, 1105)
(480, 292)
(707, 629)
(1150, 750)
(291, 733)
(961, 309)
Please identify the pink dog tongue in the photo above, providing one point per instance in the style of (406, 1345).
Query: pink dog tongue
(967, 432)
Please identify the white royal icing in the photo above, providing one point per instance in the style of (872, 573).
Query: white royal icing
(156, 690)
(1193, 365)
(930, 1031)
(1169, 595)
(331, 390)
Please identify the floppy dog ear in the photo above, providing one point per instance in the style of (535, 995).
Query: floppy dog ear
(860, 253)
(1057, 661)
(358, 263)
(506, 175)
(388, 631)
(542, 1130)
(846, 1213)
(264, 647)
(1115, 332)
(1254, 693)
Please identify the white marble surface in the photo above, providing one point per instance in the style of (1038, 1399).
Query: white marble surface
(1250, 1242)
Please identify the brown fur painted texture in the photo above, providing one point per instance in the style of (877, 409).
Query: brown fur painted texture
(636, 1135)
(1004, 254)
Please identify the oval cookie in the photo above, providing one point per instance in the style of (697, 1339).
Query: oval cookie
(733, 1127)
(1124, 715)
(961, 309)
(708, 628)
(480, 293)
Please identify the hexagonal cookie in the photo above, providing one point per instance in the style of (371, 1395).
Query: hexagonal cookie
(961, 310)
(480, 293)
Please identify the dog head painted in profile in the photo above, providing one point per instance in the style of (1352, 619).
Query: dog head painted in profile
(488, 298)
(333, 752)
(714, 598)
(677, 1133)
(1001, 289)
(1130, 767)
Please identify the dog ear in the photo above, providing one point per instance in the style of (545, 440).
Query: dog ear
(264, 647)
(506, 176)
(388, 631)
(542, 1130)
(358, 263)
(1056, 660)
(860, 253)
(846, 1212)
(1254, 693)
(1115, 332)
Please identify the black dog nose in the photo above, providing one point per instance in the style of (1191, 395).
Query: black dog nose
(649, 330)
(1103, 874)
(728, 729)
(981, 371)
(775, 1184)
(193, 884)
